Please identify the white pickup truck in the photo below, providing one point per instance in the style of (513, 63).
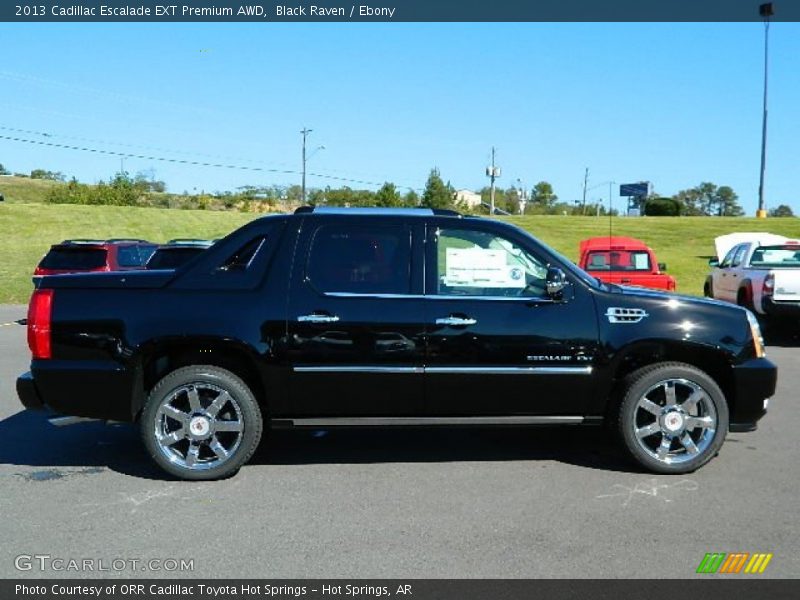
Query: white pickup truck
(760, 271)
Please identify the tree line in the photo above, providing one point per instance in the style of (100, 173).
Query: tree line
(142, 189)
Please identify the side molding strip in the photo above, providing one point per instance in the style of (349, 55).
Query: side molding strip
(412, 421)
(447, 370)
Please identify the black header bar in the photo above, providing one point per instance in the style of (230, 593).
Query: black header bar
(395, 10)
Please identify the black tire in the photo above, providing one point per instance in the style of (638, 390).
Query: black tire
(183, 406)
(708, 291)
(651, 384)
(744, 297)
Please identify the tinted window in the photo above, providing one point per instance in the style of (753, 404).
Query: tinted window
(739, 256)
(776, 257)
(618, 260)
(76, 259)
(361, 259)
(172, 258)
(726, 262)
(477, 263)
(243, 257)
(134, 256)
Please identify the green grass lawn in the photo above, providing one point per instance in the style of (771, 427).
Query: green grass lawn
(28, 229)
(23, 189)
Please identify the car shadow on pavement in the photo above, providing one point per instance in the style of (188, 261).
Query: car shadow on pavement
(53, 452)
(30, 440)
(590, 447)
(781, 336)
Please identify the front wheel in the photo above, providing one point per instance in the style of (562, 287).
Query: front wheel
(673, 417)
(201, 422)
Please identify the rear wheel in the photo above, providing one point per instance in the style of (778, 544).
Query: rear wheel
(744, 297)
(673, 417)
(201, 422)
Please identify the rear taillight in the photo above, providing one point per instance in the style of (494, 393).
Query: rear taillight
(768, 287)
(40, 311)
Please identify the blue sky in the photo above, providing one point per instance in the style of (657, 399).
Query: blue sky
(675, 104)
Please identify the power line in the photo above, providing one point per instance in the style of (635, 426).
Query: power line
(195, 163)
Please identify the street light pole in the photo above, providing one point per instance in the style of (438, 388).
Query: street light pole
(305, 133)
(765, 10)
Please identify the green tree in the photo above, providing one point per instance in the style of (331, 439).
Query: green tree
(437, 194)
(782, 210)
(49, 175)
(411, 198)
(543, 194)
(727, 202)
(3, 170)
(388, 196)
(708, 199)
(662, 207)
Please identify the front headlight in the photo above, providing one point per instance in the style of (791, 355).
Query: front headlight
(755, 331)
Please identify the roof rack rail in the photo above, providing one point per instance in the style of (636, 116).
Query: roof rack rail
(83, 241)
(415, 211)
(126, 241)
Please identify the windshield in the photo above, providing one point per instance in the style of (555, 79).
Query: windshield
(74, 259)
(618, 260)
(776, 257)
(172, 258)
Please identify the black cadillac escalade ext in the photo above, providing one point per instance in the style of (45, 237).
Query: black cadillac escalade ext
(385, 317)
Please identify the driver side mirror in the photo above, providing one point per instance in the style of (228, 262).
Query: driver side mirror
(555, 282)
(713, 262)
(662, 267)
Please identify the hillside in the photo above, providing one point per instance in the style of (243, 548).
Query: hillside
(28, 227)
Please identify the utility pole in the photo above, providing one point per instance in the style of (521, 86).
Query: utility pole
(765, 10)
(585, 183)
(305, 133)
(493, 172)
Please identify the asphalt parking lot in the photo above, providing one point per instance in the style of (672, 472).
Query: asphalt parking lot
(494, 503)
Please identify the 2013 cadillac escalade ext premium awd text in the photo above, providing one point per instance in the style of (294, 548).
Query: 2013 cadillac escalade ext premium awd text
(389, 317)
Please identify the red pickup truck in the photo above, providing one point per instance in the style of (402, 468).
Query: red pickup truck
(624, 261)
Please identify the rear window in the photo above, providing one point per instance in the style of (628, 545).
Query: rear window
(134, 256)
(618, 260)
(776, 256)
(172, 258)
(74, 259)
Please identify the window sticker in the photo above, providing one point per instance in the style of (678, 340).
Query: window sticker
(479, 267)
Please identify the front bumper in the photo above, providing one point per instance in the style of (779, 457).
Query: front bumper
(775, 308)
(754, 382)
(27, 392)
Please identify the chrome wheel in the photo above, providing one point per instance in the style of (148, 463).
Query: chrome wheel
(198, 426)
(674, 421)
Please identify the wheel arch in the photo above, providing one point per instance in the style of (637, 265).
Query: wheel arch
(158, 358)
(640, 354)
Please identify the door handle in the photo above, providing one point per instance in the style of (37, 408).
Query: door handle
(317, 318)
(456, 321)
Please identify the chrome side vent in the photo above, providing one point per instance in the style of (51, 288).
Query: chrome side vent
(618, 314)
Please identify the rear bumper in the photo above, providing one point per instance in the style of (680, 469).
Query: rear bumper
(754, 383)
(27, 392)
(95, 389)
(774, 308)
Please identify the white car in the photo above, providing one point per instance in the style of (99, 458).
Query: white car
(760, 272)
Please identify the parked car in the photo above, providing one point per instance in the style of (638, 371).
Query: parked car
(624, 261)
(761, 273)
(177, 253)
(389, 317)
(81, 255)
